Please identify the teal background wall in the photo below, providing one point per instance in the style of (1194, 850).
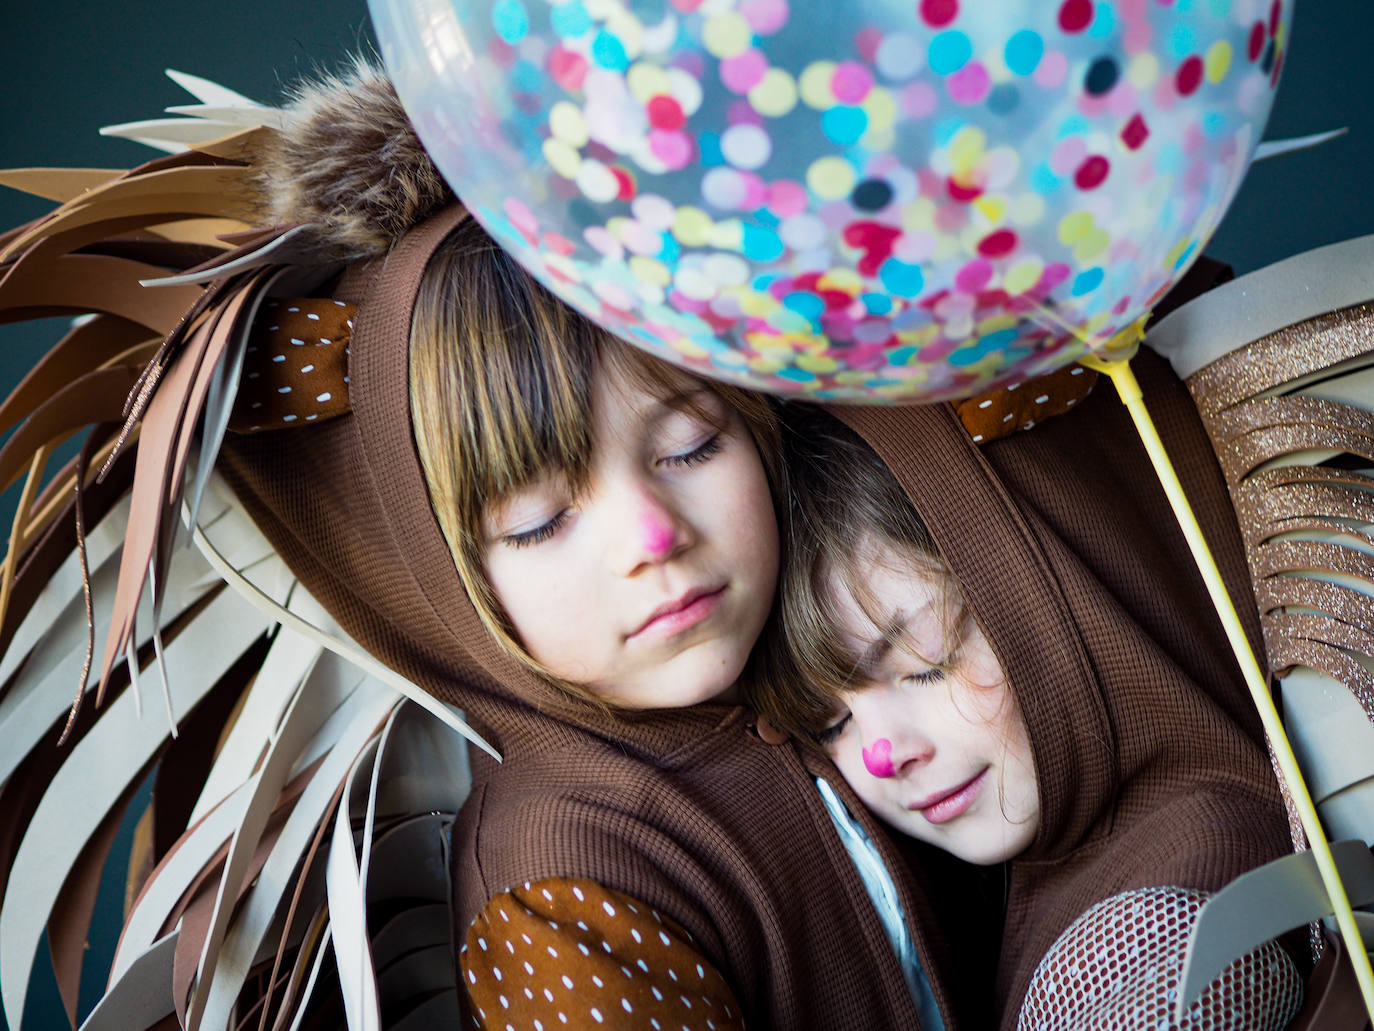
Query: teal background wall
(74, 65)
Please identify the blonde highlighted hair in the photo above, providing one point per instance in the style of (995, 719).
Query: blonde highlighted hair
(501, 377)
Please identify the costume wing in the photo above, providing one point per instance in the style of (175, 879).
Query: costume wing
(297, 832)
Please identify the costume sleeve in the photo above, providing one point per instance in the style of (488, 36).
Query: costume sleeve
(1119, 966)
(565, 953)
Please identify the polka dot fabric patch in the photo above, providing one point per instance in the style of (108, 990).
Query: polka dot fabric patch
(883, 202)
(1020, 406)
(561, 953)
(295, 369)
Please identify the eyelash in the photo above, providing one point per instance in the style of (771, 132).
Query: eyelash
(539, 533)
(830, 734)
(930, 676)
(703, 452)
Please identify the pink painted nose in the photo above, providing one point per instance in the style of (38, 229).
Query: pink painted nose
(657, 535)
(878, 758)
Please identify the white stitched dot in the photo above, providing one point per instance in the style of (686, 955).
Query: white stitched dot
(283, 390)
(501, 911)
(548, 995)
(642, 965)
(527, 940)
(325, 397)
(672, 973)
(977, 438)
(657, 994)
(472, 977)
(639, 938)
(510, 947)
(632, 907)
(1014, 386)
(510, 1027)
(578, 892)
(606, 946)
(626, 1004)
(325, 340)
(341, 304)
(654, 913)
(311, 418)
(1077, 370)
(596, 1015)
(496, 972)
(562, 1018)
(567, 982)
(686, 1001)
(711, 1024)
(529, 994)
(654, 1021)
(288, 418)
(701, 973)
(345, 379)
(304, 368)
(610, 909)
(582, 948)
(528, 968)
(545, 893)
(727, 1010)
(553, 952)
(598, 982)
(538, 1026)
(1071, 402)
(663, 937)
(279, 357)
(254, 375)
(482, 942)
(312, 315)
(293, 309)
(349, 323)
(298, 341)
(505, 1003)
(984, 404)
(583, 924)
(1042, 399)
(1008, 417)
(626, 971)
(553, 924)
(256, 404)
(1029, 423)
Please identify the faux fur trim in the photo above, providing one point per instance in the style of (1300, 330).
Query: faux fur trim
(347, 159)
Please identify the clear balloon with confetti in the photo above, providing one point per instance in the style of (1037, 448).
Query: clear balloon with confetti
(867, 200)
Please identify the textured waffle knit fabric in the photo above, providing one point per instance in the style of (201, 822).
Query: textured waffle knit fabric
(1149, 756)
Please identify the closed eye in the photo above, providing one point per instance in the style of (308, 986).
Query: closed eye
(703, 452)
(543, 532)
(930, 676)
(827, 737)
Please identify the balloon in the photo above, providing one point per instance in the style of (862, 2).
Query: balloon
(858, 200)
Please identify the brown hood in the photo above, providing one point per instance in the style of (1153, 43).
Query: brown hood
(1149, 756)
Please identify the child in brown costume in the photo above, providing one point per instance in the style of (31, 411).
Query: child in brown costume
(1007, 679)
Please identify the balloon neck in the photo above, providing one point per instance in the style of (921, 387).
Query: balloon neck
(1112, 359)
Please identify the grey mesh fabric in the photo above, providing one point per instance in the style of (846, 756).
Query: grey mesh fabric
(1119, 966)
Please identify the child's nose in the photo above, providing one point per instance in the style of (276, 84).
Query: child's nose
(891, 742)
(653, 532)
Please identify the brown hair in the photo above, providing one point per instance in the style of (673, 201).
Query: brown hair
(841, 496)
(501, 376)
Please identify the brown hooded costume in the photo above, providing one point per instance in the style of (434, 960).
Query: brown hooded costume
(1150, 763)
(696, 812)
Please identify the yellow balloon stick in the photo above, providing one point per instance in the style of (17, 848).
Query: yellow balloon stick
(1128, 388)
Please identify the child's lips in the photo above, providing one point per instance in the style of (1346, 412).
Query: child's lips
(946, 805)
(678, 615)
